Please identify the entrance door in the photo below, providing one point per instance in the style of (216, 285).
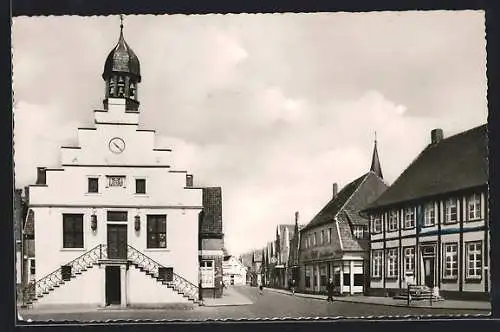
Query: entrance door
(117, 241)
(113, 289)
(429, 271)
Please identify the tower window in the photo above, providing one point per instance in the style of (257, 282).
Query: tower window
(121, 86)
(132, 91)
(140, 186)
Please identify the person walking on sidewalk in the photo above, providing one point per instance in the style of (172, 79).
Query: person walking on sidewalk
(329, 288)
(261, 288)
(292, 287)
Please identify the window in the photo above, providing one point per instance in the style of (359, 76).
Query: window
(308, 278)
(474, 207)
(32, 266)
(358, 232)
(330, 230)
(314, 238)
(429, 214)
(72, 230)
(450, 269)
(93, 185)
(207, 274)
(409, 257)
(117, 215)
(392, 263)
(474, 260)
(359, 280)
(376, 224)
(393, 221)
(377, 263)
(116, 181)
(157, 231)
(409, 217)
(450, 207)
(140, 186)
(321, 237)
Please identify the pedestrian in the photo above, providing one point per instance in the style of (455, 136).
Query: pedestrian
(293, 287)
(329, 288)
(261, 289)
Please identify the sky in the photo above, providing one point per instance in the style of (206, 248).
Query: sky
(274, 108)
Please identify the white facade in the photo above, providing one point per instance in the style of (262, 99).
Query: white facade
(234, 272)
(117, 167)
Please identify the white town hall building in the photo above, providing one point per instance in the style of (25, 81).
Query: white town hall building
(115, 224)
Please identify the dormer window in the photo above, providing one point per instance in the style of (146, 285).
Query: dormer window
(359, 232)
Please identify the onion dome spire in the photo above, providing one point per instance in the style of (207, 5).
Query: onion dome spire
(122, 72)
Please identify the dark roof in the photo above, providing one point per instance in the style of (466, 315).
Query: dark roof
(345, 209)
(329, 211)
(122, 59)
(455, 163)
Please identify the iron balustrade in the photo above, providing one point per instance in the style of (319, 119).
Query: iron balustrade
(85, 261)
(179, 283)
(55, 279)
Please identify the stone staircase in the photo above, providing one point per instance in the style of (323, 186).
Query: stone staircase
(418, 293)
(35, 291)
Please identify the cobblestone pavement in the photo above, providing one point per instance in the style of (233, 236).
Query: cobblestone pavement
(269, 305)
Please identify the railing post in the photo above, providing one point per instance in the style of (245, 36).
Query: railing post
(408, 296)
(100, 251)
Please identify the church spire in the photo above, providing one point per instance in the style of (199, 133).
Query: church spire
(375, 167)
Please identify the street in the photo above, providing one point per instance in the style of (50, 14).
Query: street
(269, 305)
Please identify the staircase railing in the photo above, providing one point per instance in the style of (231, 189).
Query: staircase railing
(179, 283)
(78, 265)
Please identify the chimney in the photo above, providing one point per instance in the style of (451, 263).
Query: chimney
(335, 189)
(189, 180)
(41, 175)
(436, 136)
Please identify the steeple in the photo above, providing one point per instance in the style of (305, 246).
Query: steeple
(375, 167)
(122, 73)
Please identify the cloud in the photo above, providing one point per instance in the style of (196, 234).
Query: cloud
(39, 131)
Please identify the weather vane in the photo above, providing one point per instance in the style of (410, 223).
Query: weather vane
(375, 136)
(121, 21)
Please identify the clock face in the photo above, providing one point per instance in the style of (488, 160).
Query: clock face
(116, 145)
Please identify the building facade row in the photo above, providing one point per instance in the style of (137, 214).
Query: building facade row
(429, 229)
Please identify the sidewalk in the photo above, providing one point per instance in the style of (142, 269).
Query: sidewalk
(445, 304)
(230, 297)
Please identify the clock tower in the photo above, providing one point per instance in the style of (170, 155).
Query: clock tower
(122, 74)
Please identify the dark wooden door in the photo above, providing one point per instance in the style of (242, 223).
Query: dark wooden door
(429, 271)
(113, 287)
(117, 241)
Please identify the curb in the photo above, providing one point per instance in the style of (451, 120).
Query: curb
(315, 297)
(227, 304)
